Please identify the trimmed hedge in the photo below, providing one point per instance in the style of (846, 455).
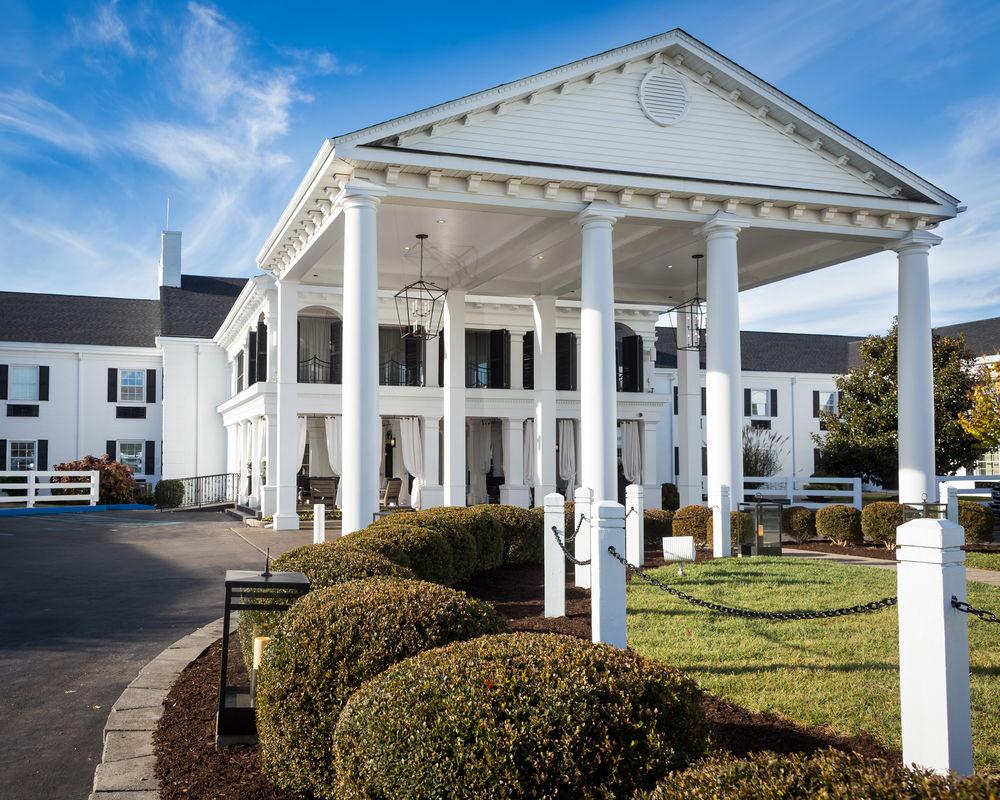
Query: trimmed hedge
(828, 774)
(879, 521)
(977, 520)
(657, 524)
(426, 551)
(693, 521)
(332, 641)
(517, 716)
(169, 494)
(799, 523)
(840, 524)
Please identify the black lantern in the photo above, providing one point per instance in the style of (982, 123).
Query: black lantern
(246, 590)
(691, 337)
(924, 510)
(420, 305)
(763, 535)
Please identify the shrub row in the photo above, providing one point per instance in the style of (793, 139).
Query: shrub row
(879, 522)
(840, 524)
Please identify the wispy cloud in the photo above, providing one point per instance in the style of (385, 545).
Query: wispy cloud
(29, 115)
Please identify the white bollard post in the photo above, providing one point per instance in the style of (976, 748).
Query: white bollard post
(933, 646)
(634, 545)
(721, 537)
(607, 595)
(319, 523)
(583, 499)
(953, 504)
(555, 560)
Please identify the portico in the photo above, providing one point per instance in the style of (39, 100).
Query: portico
(590, 186)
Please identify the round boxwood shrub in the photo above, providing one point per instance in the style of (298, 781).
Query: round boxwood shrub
(693, 521)
(484, 528)
(328, 644)
(518, 716)
(840, 524)
(426, 551)
(522, 533)
(799, 523)
(169, 494)
(879, 521)
(657, 525)
(977, 520)
(829, 774)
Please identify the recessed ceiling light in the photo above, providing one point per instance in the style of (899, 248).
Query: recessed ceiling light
(539, 257)
(441, 221)
(407, 247)
(670, 266)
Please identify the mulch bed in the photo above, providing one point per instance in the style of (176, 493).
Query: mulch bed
(189, 766)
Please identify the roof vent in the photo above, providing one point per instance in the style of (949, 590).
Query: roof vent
(663, 96)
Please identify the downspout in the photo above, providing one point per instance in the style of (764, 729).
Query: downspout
(792, 406)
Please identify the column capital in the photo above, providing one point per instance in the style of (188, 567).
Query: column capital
(599, 214)
(916, 240)
(723, 224)
(360, 192)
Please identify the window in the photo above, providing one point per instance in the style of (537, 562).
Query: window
(825, 401)
(131, 386)
(131, 454)
(487, 359)
(989, 464)
(23, 383)
(22, 456)
(239, 372)
(400, 361)
(828, 402)
(319, 349)
(759, 403)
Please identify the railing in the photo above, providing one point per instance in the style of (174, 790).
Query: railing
(33, 487)
(209, 490)
(965, 485)
(809, 492)
(316, 370)
(395, 373)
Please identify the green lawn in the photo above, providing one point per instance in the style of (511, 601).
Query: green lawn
(983, 560)
(842, 673)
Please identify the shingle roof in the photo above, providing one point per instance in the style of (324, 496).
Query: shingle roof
(197, 309)
(764, 351)
(982, 335)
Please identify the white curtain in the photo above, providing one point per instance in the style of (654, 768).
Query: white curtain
(398, 470)
(412, 448)
(529, 452)
(259, 434)
(631, 451)
(479, 453)
(333, 448)
(303, 434)
(319, 459)
(246, 453)
(567, 454)
(314, 343)
(496, 447)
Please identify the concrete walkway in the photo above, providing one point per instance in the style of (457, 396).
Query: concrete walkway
(988, 576)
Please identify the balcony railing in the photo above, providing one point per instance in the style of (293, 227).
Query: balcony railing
(395, 373)
(316, 370)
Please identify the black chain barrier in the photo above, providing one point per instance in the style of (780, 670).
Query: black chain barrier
(747, 613)
(569, 556)
(965, 608)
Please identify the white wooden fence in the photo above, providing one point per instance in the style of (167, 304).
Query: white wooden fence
(808, 492)
(965, 486)
(33, 487)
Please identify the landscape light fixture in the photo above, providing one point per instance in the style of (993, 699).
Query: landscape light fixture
(692, 337)
(420, 305)
(763, 536)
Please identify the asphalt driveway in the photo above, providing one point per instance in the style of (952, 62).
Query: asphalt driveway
(87, 600)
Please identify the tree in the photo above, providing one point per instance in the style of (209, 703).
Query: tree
(862, 439)
(983, 419)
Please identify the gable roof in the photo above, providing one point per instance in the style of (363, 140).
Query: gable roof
(814, 133)
(196, 309)
(982, 335)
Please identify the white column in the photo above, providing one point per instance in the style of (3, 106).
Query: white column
(359, 458)
(651, 486)
(516, 359)
(269, 492)
(607, 595)
(256, 454)
(285, 463)
(544, 309)
(555, 560)
(724, 406)
(583, 503)
(514, 492)
(319, 523)
(916, 373)
(432, 495)
(598, 399)
(689, 437)
(454, 398)
(431, 365)
(933, 646)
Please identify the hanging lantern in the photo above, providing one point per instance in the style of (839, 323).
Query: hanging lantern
(692, 336)
(420, 305)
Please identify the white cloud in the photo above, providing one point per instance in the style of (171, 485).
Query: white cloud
(29, 115)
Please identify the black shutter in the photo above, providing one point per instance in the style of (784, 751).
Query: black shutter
(528, 362)
(336, 360)
(150, 385)
(3, 454)
(42, 455)
(677, 460)
(414, 354)
(815, 403)
(704, 461)
(704, 401)
(631, 364)
(3, 381)
(111, 449)
(573, 365)
(251, 358)
(112, 385)
(774, 402)
(441, 358)
(150, 466)
(566, 362)
(677, 399)
(262, 350)
(747, 405)
(499, 359)
(43, 383)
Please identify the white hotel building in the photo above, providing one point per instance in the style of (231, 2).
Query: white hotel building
(563, 212)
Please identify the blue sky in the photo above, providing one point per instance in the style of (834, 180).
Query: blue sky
(107, 109)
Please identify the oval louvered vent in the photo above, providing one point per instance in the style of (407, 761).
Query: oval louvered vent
(663, 96)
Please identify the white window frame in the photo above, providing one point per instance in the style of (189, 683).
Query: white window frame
(767, 403)
(12, 393)
(122, 387)
(141, 469)
(10, 454)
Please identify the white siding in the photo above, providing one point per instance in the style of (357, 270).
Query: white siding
(602, 126)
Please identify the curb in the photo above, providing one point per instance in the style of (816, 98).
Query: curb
(127, 763)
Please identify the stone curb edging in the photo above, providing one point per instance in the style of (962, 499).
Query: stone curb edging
(127, 763)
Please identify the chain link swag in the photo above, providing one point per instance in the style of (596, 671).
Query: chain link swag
(965, 608)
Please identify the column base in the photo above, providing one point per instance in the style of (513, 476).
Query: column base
(285, 522)
(432, 496)
(515, 496)
(268, 501)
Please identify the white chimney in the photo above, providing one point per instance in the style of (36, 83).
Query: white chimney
(170, 258)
